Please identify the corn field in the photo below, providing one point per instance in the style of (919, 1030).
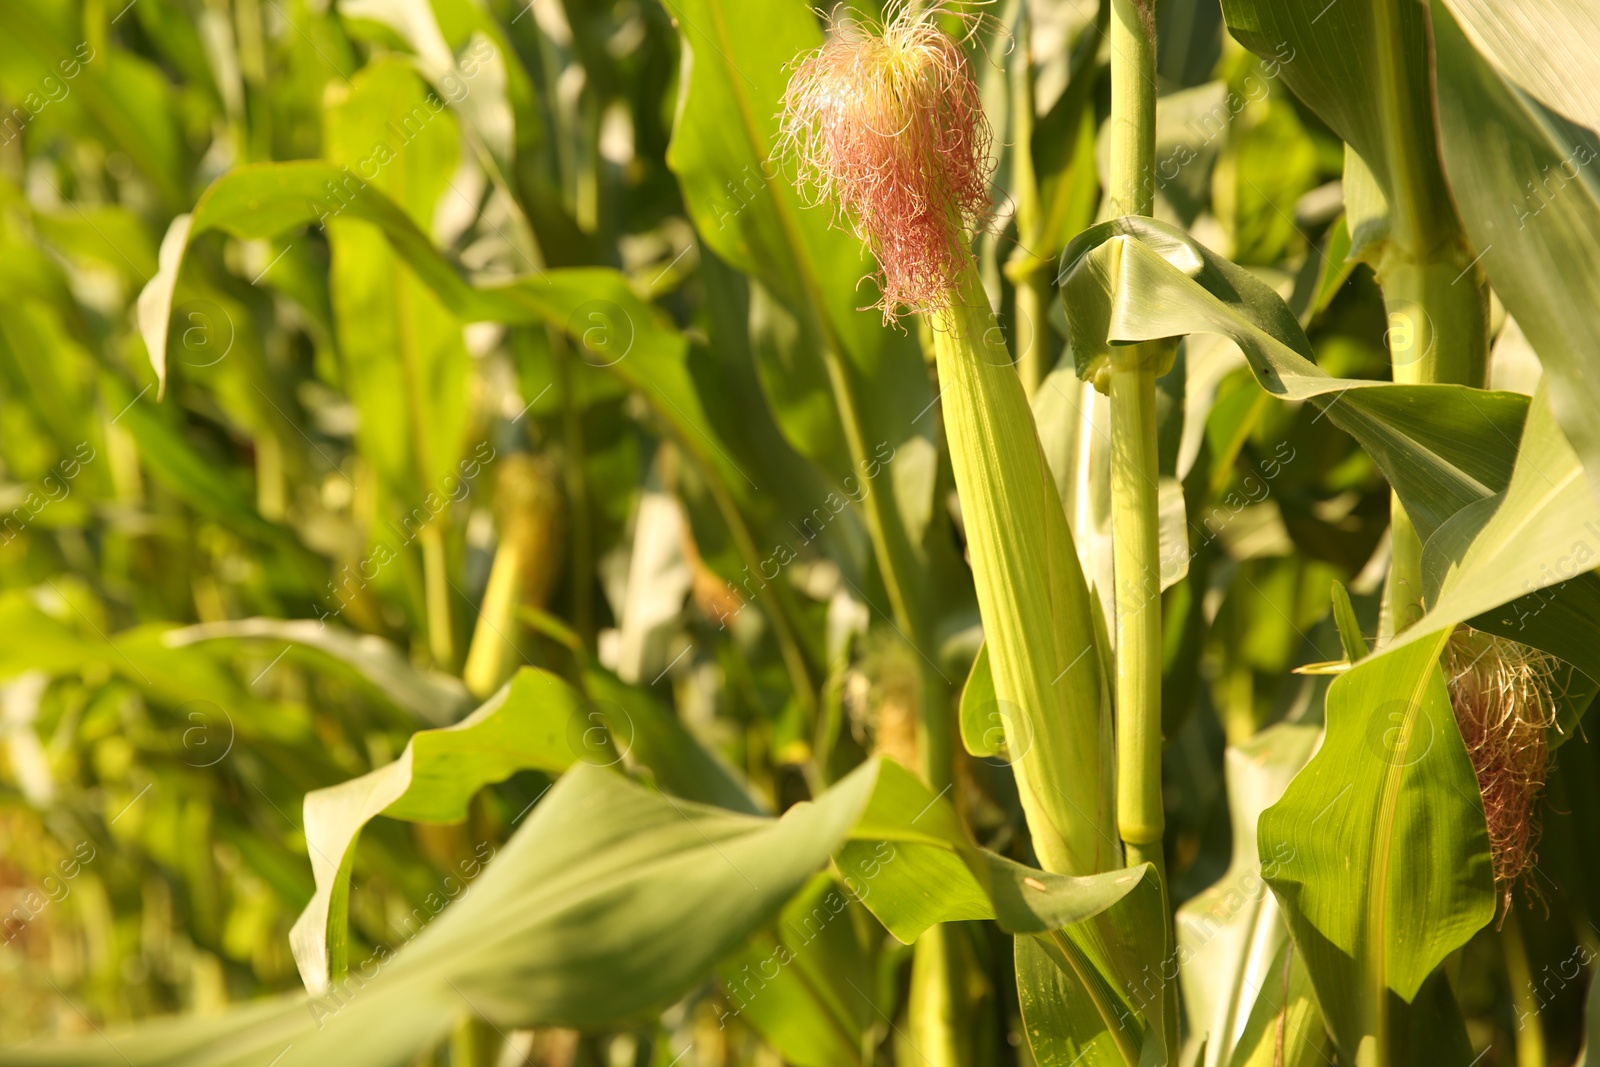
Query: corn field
(724, 533)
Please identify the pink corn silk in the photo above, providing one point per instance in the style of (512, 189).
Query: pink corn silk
(889, 127)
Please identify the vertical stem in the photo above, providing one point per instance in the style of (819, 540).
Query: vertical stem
(1133, 107)
(1525, 1004)
(1134, 471)
(1134, 477)
(1136, 559)
(1032, 285)
(1437, 304)
(436, 595)
(901, 578)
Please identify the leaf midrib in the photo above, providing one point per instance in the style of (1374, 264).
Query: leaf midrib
(1377, 931)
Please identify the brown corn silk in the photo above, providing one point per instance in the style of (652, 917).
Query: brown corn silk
(1504, 697)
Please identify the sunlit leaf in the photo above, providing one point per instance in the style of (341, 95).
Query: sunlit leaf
(1378, 851)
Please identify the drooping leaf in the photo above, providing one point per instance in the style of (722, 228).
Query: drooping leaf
(651, 739)
(434, 698)
(595, 307)
(607, 905)
(628, 336)
(910, 863)
(1441, 446)
(807, 984)
(536, 722)
(1521, 563)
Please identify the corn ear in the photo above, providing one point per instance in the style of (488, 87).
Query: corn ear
(1031, 592)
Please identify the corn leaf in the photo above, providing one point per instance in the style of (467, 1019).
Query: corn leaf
(430, 696)
(910, 862)
(608, 904)
(1378, 851)
(1521, 563)
(1441, 446)
(844, 387)
(1231, 935)
(538, 722)
(1521, 158)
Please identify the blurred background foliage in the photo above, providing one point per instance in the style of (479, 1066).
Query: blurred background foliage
(454, 500)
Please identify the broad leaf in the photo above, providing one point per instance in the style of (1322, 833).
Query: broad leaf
(807, 983)
(1522, 170)
(1521, 563)
(1348, 62)
(1101, 936)
(595, 306)
(606, 906)
(1441, 446)
(536, 722)
(1284, 1028)
(610, 326)
(1378, 851)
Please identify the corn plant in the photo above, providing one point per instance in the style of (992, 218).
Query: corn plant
(949, 532)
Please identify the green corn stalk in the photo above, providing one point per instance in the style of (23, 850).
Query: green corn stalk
(1134, 500)
(1435, 294)
(1129, 376)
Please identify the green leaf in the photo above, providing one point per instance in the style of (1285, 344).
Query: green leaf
(1347, 62)
(1378, 851)
(429, 696)
(610, 326)
(653, 739)
(1284, 1028)
(1229, 933)
(610, 903)
(1523, 176)
(910, 863)
(536, 722)
(1520, 563)
(982, 728)
(1100, 997)
(805, 984)
(1133, 279)
(736, 58)
(1344, 615)
(50, 631)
